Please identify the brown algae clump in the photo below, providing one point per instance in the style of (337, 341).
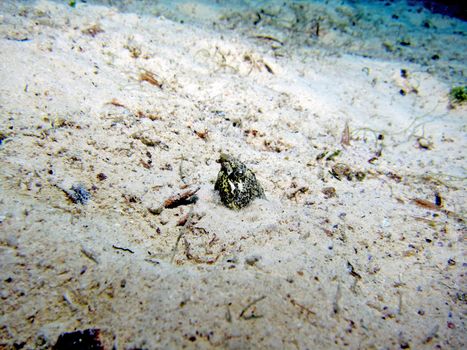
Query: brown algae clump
(237, 185)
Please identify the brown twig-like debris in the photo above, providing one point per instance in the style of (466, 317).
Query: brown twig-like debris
(425, 204)
(151, 78)
(183, 220)
(186, 197)
(245, 309)
(146, 165)
(116, 103)
(213, 240)
(202, 134)
(182, 232)
(302, 308)
(93, 30)
(269, 38)
(352, 271)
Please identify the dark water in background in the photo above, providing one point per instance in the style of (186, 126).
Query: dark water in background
(453, 8)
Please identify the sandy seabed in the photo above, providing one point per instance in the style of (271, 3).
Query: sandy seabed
(359, 244)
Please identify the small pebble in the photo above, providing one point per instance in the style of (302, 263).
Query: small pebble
(79, 194)
(101, 176)
(424, 143)
(329, 192)
(252, 260)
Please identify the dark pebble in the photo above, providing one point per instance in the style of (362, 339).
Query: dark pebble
(79, 340)
(101, 176)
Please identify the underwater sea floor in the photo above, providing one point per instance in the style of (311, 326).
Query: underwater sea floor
(113, 118)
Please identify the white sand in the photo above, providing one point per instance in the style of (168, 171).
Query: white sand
(293, 253)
